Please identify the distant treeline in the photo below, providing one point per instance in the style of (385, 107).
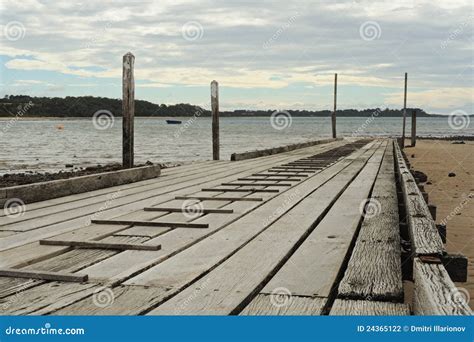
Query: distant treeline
(86, 106)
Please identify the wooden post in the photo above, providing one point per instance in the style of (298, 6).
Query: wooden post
(333, 116)
(413, 128)
(215, 119)
(128, 109)
(404, 112)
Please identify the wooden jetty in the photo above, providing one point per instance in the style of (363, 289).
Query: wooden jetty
(310, 231)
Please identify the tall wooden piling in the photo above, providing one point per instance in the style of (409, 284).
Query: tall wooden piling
(404, 111)
(128, 109)
(413, 128)
(215, 119)
(333, 116)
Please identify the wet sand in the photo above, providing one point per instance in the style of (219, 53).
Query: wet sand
(453, 196)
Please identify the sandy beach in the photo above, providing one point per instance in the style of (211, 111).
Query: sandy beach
(453, 196)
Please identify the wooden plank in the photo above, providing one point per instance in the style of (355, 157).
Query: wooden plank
(173, 243)
(48, 298)
(130, 262)
(43, 208)
(283, 305)
(109, 203)
(239, 190)
(42, 275)
(423, 232)
(101, 245)
(236, 278)
(71, 261)
(166, 173)
(180, 210)
(124, 197)
(293, 174)
(206, 198)
(126, 300)
(343, 307)
(435, 293)
(22, 255)
(269, 179)
(152, 223)
(256, 184)
(275, 150)
(374, 270)
(296, 168)
(314, 268)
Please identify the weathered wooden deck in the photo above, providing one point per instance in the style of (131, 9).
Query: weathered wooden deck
(284, 234)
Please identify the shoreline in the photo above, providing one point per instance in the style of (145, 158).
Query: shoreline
(32, 175)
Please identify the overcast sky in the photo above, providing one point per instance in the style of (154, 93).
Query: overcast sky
(264, 54)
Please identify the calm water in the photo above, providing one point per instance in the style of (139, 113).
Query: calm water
(49, 144)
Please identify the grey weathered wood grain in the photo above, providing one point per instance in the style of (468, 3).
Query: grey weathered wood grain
(313, 269)
(435, 293)
(239, 190)
(20, 255)
(69, 261)
(275, 150)
(374, 270)
(101, 245)
(180, 210)
(151, 223)
(42, 275)
(256, 184)
(284, 305)
(238, 276)
(344, 307)
(333, 115)
(133, 199)
(215, 119)
(46, 298)
(128, 109)
(127, 300)
(423, 233)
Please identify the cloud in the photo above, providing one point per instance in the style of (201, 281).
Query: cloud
(270, 46)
